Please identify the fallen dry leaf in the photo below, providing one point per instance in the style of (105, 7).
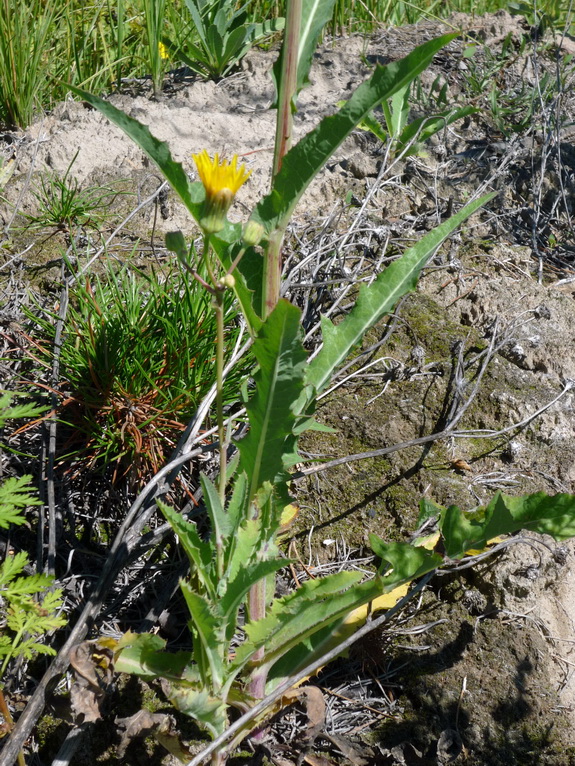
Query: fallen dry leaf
(460, 465)
(161, 725)
(317, 760)
(92, 675)
(314, 703)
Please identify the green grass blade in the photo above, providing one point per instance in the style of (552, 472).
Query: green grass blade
(379, 298)
(197, 19)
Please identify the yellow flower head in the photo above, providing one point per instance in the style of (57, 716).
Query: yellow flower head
(163, 51)
(221, 180)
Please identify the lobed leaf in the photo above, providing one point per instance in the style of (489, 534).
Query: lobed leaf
(406, 561)
(143, 654)
(295, 617)
(200, 553)
(14, 496)
(197, 703)
(545, 514)
(209, 627)
(11, 567)
(279, 384)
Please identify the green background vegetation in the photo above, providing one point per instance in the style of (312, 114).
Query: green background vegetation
(106, 45)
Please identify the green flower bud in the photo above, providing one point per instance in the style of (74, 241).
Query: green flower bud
(253, 233)
(228, 280)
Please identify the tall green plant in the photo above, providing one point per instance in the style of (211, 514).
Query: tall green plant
(235, 564)
(154, 12)
(25, 54)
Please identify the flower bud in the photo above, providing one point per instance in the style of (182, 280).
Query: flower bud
(176, 243)
(228, 280)
(253, 233)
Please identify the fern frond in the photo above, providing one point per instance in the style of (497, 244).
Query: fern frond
(11, 567)
(15, 495)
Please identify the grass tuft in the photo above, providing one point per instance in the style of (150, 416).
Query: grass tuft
(137, 357)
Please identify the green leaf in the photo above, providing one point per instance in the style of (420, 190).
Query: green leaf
(24, 585)
(238, 504)
(200, 553)
(209, 628)
(219, 519)
(248, 276)
(197, 19)
(550, 515)
(302, 163)
(245, 543)
(198, 704)
(279, 383)
(423, 128)
(303, 654)
(11, 567)
(10, 411)
(233, 47)
(30, 647)
(145, 656)
(396, 111)
(192, 195)
(238, 588)
(407, 561)
(248, 273)
(263, 29)
(6, 647)
(296, 616)
(14, 496)
(379, 298)
(371, 124)
(193, 57)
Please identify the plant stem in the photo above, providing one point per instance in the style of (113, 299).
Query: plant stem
(218, 292)
(257, 611)
(219, 309)
(5, 712)
(287, 92)
(287, 84)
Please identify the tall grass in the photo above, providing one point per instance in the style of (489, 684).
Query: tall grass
(101, 44)
(26, 54)
(154, 14)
